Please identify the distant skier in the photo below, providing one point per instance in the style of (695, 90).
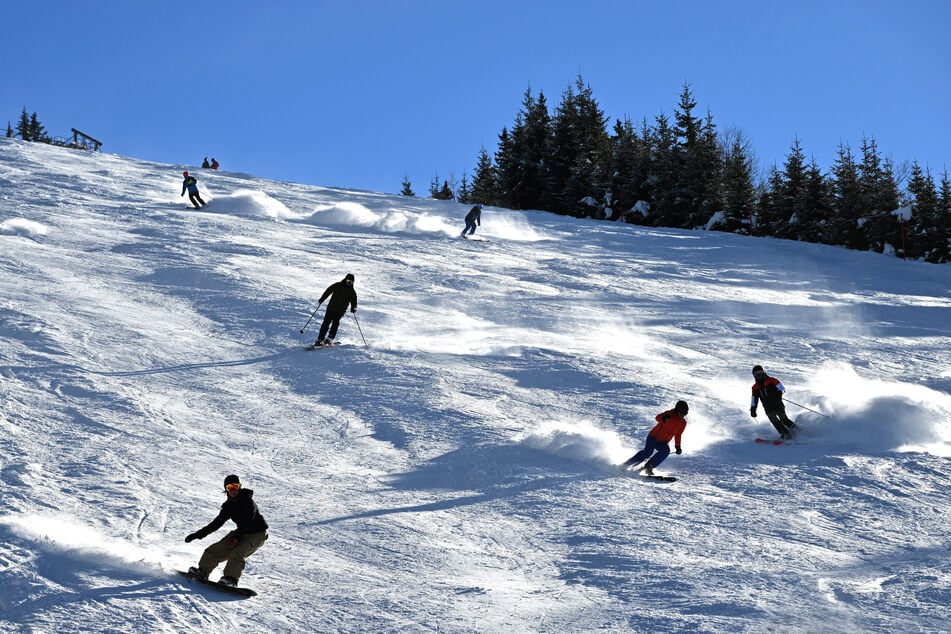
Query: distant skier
(341, 296)
(214, 163)
(239, 544)
(473, 218)
(670, 426)
(191, 184)
(205, 164)
(770, 390)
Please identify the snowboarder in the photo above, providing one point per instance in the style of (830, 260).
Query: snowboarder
(473, 218)
(191, 184)
(670, 425)
(341, 295)
(770, 390)
(237, 545)
(205, 164)
(214, 163)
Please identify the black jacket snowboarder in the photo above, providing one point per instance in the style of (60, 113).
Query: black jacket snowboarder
(236, 546)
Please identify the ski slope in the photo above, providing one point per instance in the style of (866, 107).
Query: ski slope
(458, 472)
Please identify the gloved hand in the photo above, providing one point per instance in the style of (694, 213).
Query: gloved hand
(354, 311)
(753, 412)
(678, 450)
(183, 194)
(232, 541)
(191, 537)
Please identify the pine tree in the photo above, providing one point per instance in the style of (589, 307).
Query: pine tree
(787, 202)
(580, 151)
(407, 189)
(523, 178)
(928, 232)
(847, 201)
(814, 205)
(627, 168)
(484, 184)
(464, 191)
(770, 208)
(445, 192)
(37, 132)
(880, 198)
(697, 169)
(506, 172)
(9, 131)
(663, 176)
(23, 127)
(737, 190)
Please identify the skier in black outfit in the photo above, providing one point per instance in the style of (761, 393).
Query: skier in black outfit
(341, 295)
(770, 390)
(473, 218)
(237, 545)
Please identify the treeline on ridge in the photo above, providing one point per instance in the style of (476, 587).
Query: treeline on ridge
(681, 171)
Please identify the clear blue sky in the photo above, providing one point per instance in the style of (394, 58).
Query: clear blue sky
(357, 94)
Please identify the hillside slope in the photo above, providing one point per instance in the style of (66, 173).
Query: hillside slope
(458, 472)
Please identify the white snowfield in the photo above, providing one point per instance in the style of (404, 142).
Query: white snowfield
(458, 473)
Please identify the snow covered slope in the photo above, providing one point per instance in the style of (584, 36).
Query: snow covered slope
(458, 473)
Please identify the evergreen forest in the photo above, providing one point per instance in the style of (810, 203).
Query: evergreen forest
(682, 171)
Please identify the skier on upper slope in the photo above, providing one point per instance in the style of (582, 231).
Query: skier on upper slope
(670, 426)
(770, 390)
(239, 544)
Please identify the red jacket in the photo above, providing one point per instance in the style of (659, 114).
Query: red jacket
(669, 425)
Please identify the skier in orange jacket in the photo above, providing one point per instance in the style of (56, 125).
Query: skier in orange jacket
(670, 426)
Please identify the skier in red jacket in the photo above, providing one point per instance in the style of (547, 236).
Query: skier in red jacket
(670, 426)
(770, 390)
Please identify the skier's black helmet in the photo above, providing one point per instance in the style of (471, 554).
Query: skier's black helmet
(681, 408)
(232, 479)
(757, 369)
(348, 277)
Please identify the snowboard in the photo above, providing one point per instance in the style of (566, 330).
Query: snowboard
(778, 441)
(244, 592)
(474, 239)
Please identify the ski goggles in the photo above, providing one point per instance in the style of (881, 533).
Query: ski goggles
(234, 486)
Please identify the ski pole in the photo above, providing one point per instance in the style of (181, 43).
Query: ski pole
(806, 408)
(311, 317)
(360, 329)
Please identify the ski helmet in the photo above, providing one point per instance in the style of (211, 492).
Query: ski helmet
(232, 479)
(681, 408)
(348, 277)
(185, 174)
(757, 369)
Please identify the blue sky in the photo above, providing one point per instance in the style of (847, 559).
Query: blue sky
(357, 94)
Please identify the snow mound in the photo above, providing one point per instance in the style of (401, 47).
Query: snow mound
(351, 214)
(22, 227)
(253, 203)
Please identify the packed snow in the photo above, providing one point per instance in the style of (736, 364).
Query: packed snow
(453, 466)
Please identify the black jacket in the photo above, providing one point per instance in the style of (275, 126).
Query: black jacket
(341, 295)
(241, 510)
(475, 215)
